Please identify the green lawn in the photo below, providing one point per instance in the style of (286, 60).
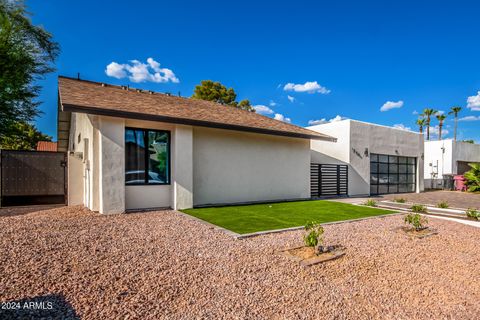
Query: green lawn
(261, 217)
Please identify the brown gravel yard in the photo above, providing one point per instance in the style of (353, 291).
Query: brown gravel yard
(455, 199)
(155, 265)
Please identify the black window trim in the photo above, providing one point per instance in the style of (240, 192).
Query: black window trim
(146, 158)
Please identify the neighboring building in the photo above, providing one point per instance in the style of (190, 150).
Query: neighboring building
(133, 149)
(46, 146)
(380, 159)
(448, 157)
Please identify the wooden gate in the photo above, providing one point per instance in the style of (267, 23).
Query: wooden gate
(328, 180)
(32, 177)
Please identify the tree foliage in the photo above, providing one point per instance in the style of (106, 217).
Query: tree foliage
(427, 114)
(455, 110)
(22, 136)
(473, 177)
(26, 55)
(215, 91)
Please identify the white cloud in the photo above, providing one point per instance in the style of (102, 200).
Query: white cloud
(141, 72)
(401, 126)
(309, 86)
(290, 98)
(440, 112)
(262, 109)
(116, 70)
(415, 112)
(324, 120)
(470, 118)
(473, 102)
(281, 117)
(391, 105)
(434, 131)
(272, 103)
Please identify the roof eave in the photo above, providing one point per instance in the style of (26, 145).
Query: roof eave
(184, 121)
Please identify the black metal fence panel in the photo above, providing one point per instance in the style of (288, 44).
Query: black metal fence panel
(328, 180)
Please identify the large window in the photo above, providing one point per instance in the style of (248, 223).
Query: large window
(392, 174)
(147, 157)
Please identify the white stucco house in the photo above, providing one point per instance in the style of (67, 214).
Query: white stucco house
(448, 157)
(380, 159)
(135, 149)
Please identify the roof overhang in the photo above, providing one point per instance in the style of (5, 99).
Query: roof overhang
(149, 117)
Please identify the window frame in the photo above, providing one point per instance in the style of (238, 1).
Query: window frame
(145, 135)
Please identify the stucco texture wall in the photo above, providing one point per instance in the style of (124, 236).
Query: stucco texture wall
(235, 167)
(356, 141)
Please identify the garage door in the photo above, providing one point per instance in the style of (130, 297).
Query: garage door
(392, 174)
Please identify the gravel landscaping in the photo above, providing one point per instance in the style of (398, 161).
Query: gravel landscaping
(155, 265)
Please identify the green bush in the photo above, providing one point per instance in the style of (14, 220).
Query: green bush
(443, 204)
(399, 200)
(370, 203)
(314, 237)
(473, 213)
(417, 221)
(419, 208)
(473, 177)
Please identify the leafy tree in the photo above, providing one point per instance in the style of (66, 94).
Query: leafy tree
(26, 54)
(421, 122)
(428, 113)
(440, 118)
(469, 141)
(217, 92)
(473, 177)
(22, 136)
(455, 111)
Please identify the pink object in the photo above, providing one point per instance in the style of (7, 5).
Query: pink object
(460, 183)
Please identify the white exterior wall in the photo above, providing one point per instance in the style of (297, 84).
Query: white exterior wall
(82, 188)
(354, 139)
(208, 166)
(235, 167)
(441, 157)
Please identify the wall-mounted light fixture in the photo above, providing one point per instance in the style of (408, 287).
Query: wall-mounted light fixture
(365, 152)
(422, 156)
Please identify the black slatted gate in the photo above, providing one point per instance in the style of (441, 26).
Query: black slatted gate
(32, 177)
(328, 180)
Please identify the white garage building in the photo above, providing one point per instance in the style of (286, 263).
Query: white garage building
(133, 149)
(379, 159)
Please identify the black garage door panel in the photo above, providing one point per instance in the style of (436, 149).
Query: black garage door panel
(392, 174)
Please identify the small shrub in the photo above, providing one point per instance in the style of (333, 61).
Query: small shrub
(370, 203)
(314, 237)
(473, 213)
(418, 208)
(443, 204)
(399, 200)
(417, 221)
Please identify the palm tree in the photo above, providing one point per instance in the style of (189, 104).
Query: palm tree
(440, 118)
(421, 123)
(427, 113)
(455, 110)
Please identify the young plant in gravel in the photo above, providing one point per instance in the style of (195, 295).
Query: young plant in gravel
(400, 200)
(473, 213)
(370, 203)
(443, 205)
(314, 237)
(418, 208)
(417, 221)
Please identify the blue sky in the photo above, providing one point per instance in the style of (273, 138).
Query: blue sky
(357, 55)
